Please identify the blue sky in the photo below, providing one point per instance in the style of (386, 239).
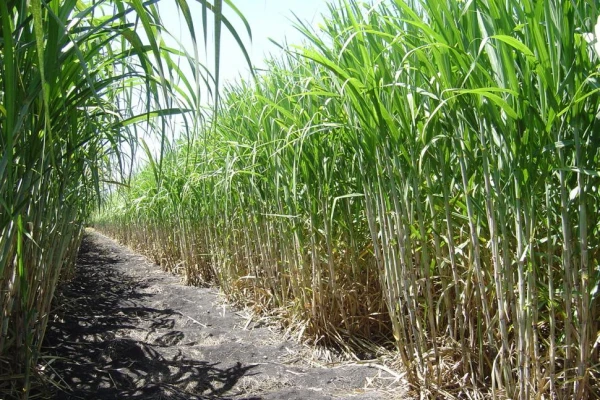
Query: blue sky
(267, 18)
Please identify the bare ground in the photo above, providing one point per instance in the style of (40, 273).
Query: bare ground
(124, 329)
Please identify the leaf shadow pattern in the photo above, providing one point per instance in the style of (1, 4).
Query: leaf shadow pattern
(86, 359)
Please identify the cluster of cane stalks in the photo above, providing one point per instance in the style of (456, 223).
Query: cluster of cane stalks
(422, 172)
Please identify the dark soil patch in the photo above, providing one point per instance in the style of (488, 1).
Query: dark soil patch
(124, 329)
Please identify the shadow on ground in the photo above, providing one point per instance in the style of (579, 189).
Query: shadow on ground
(84, 357)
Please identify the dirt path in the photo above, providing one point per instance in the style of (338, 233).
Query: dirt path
(126, 330)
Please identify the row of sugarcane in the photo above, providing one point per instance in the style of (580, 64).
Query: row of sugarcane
(420, 172)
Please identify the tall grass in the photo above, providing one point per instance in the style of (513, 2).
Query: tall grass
(79, 79)
(421, 170)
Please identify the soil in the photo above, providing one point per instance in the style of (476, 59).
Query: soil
(124, 329)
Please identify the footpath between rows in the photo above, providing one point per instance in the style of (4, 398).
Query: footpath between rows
(124, 329)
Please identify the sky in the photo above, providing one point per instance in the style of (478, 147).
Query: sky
(267, 19)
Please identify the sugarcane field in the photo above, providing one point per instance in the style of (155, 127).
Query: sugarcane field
(300, 199)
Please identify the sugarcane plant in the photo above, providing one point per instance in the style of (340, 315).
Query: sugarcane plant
(418, 172)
